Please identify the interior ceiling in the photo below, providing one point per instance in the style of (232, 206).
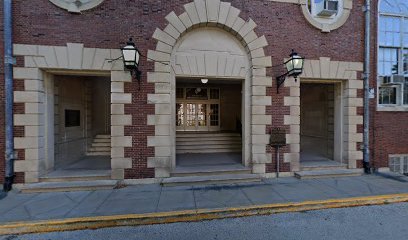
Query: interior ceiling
(210, 81)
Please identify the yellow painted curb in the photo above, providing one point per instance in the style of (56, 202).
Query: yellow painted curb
(192, 215)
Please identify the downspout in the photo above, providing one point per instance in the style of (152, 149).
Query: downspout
(366, 143)
(8, 79)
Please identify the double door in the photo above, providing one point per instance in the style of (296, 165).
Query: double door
(197, 116)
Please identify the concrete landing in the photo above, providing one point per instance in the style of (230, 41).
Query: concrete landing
(328, 173)
(206, 159)
(69, 186)
(78, 175)
(181, 171)
(321, 165)
(211, 179)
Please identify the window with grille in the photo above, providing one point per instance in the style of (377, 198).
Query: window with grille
(393, 52)
(399, 163)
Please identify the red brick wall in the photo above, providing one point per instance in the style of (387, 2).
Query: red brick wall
(110, 24)
(389, 130)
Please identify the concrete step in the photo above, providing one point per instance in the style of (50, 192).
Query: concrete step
(99, 149)
(205, 142)
(98, 153)
(210, 170)
(102, 140)
(208, 150)
(68, 186)
(102, 136)
(208, 146)
(212, 179)
(198, 138)
(103, 144)
(195, 135)
(328, 173)
(73, 176)
(317, 168)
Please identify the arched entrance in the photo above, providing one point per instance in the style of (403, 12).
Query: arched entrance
(226, 50)
(210, 116)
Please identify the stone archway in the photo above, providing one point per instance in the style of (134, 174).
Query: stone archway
(199, 14)
(40, 64)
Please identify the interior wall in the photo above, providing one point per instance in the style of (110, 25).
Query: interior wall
(317, 120)
(101, 120)
(72, 93)
(230, 107)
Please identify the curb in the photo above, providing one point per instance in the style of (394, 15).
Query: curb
(192, 215)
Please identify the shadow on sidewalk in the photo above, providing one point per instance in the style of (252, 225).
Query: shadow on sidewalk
(3, 195)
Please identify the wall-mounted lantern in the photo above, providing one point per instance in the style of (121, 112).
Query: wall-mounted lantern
(294, 67)
(131, 57)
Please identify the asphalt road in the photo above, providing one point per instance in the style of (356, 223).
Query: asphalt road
(374, 222)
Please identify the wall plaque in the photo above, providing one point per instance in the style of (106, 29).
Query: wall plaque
(278, 137)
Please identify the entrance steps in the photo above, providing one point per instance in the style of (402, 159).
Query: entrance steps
(76, 175)
(69, 186)
(101, 146)
(210, 170)
(210, 174)
(328, 173)
(207, 142)
(211, 179)
(325, 169)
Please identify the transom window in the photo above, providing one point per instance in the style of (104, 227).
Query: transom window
(393, 52)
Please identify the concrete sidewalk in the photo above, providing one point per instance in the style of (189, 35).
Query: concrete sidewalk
(154, 198)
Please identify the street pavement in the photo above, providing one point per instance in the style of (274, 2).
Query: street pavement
(155, 198)
(385, 222)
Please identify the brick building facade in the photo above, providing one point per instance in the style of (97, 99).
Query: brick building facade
(57, 39)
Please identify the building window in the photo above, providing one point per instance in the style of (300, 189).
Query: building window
(393, 53)
(76, 6)
(388, 95)
(323, 8)
(326, 15)
(399, 163)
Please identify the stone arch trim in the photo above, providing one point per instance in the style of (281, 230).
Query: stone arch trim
(218, 14)
(78, 6)
(326, 69)
(327, 27)
(39, 61)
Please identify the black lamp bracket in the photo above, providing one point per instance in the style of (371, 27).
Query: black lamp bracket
(281, 79)
(136, 74)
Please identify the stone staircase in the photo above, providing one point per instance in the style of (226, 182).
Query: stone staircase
(101, 146)
(212, 174)
(207, 142)
(68, 186)
(326, 169)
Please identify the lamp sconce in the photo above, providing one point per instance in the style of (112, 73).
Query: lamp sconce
(131, 58)
(294, 67)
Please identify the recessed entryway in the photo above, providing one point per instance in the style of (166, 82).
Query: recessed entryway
(320, 124)
(208, 124)
(79, 139)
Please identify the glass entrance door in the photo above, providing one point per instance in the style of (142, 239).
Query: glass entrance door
(197, 117)
(201, 113)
